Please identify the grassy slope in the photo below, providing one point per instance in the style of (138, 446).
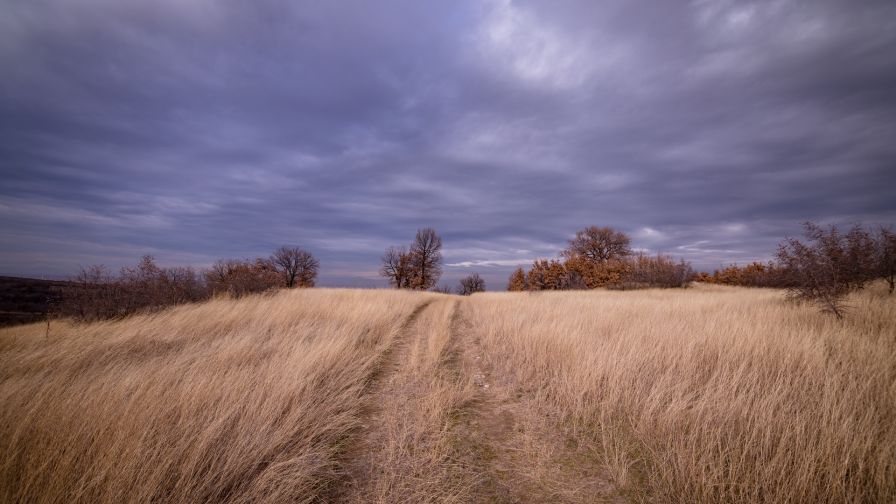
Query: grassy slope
(708, 395)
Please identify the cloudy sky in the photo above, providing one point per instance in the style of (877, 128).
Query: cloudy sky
(200, 129)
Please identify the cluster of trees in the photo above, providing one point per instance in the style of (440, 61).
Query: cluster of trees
(471, 284)
(601, 257)
(824, 268)
(419, 266)
(95, 293)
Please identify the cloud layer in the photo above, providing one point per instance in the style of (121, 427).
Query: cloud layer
(201, 129)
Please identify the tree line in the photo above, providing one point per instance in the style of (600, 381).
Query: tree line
(602, 257)
(823, 269)
(97, 293)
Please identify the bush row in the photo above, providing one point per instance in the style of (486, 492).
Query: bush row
(96, 293)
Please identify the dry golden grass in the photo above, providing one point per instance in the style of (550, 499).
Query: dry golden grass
(712, 394)
(243, 401)
(407, 451)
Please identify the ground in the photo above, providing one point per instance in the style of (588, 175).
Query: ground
(711, 394)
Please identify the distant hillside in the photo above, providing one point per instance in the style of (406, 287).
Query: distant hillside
(25, 300)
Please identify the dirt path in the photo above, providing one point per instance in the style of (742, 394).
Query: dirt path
(360, 458)
(441, 425)
(518, 452)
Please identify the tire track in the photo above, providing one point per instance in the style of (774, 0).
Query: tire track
(356, 457)
(521, 454)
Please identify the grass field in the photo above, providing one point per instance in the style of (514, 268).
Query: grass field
(711, 394)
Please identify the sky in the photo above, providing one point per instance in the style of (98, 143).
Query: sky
(195, 130)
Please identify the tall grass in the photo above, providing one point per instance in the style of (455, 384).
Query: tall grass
(241, 401)
(710, 395)
(409, 453)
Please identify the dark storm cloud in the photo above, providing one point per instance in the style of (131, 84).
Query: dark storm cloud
(202, 129)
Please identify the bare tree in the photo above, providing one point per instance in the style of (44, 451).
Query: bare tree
(471, 284)
(417, 268)
(886, 256)
(425, 259)
(827, 268)
(298, 267)
(240, 277)
(599, 245)
(396, 267)
(443, 289)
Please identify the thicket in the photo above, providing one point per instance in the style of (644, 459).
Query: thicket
(602, 257)
(471, 284)
(830, 264)
(823, 268)
(755, 274)
(96, 293)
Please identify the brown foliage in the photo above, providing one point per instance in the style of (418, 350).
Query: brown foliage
(587, 274)
(517, 281)
(418, 268)
(547, 275)
(755, 274)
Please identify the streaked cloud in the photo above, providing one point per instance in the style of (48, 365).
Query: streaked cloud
(199, 129)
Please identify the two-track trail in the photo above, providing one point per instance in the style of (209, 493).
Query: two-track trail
(521, 452)
(440, 426)
(404, 451)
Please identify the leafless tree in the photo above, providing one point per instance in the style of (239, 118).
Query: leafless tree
(298, 267)
(471, 284)
(828, 267)
(599, 245)
(240, 277)
(417, 268)
(443, 289)
(886, 256)
(396, 267)
(425, 259)
(655, 271)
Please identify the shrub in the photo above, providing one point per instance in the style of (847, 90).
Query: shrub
(471, 284)
(755, 274)
(237, 277)
(96, 294)
(828, 267)
(547, 275)
(656, 271)
(886, 256)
